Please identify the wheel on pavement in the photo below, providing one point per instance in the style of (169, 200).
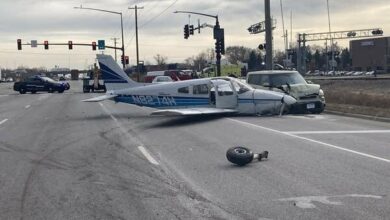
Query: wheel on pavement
(239, 155)
(50, 90)
(22, 91)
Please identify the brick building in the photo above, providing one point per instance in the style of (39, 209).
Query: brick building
(371, 54)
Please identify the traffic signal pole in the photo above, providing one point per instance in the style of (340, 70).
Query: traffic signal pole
(218, 33)
(268, 35)
(217, 47)
(136, 38)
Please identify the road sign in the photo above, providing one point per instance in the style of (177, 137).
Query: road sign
(101, 44)
(34, 43)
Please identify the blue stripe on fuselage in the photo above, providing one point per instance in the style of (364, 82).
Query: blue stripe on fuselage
(161, 101)
(173, 101)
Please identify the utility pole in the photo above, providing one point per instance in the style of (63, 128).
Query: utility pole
(268, 35)
(115, 39)
(136, 38)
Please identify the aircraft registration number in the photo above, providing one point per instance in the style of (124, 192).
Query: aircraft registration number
(154, 100)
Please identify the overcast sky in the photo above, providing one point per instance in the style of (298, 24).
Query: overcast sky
(160, 30)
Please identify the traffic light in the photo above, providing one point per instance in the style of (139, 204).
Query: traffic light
(217, 47)
(262, 47)
(126, 59)
(19, 41)
(94, 45)
(191, 29)
(122, 60)
(377, 32)
(70, 45)
(46, 43)
(186, 31)
(222, 44)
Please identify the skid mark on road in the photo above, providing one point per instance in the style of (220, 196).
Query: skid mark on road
(312, 140)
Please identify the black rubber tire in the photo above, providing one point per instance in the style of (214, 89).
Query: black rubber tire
(85, 89)
(33, 91)
(50, 90)
(239, 155)
(60, 91)
(22, 90)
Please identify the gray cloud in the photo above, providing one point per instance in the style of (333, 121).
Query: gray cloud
(56, 20)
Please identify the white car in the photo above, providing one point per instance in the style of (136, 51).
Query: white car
(162, 79)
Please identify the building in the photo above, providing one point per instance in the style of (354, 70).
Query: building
(371, 54)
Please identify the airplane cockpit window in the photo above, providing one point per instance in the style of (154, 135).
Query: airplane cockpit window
(240, 87)
(185, 90)
(200, 89)
(224, 89)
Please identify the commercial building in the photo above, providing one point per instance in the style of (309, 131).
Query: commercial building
(371, 54)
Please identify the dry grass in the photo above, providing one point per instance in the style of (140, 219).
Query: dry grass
(370, 97)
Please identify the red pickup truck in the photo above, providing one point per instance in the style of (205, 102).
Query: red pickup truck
(176, 75)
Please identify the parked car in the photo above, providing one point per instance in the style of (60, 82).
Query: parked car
(174, 74)
(39, 83)
(66, 84)
(162, 79)
(310, 97)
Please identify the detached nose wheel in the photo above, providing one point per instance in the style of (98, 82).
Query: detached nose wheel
(242, 155)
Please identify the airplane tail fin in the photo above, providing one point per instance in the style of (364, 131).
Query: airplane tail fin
(114, 77)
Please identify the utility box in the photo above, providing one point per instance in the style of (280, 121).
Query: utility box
(74, 74)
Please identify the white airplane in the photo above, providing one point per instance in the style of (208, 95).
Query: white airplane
(219, 95)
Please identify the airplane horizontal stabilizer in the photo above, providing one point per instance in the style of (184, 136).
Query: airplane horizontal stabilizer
(99, 98)
(193, 111)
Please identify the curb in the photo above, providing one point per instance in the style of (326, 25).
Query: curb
(369, 117)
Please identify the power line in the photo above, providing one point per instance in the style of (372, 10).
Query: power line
(159, 14)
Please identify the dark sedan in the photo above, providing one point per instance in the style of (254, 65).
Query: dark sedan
(39, 83)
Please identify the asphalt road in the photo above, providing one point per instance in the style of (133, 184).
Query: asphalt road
(61, 158)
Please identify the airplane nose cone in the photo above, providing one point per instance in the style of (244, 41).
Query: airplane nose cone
(289, 100)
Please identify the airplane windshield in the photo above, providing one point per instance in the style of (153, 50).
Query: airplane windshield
(240, 86)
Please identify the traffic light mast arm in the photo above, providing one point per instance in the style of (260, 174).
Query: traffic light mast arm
(341, 34)
(196, 13)
(77, 44)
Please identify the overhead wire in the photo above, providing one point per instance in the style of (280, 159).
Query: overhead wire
(159, 14)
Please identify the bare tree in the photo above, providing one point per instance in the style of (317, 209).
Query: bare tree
(236, 54)
(160, 59)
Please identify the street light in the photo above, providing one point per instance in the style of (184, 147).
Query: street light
(112, 12)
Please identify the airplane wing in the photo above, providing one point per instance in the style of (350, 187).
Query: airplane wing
(193, 111)
(99, 98)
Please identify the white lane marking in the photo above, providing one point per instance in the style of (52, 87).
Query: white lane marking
(112, 117)
(140, 148)
(3, 121)
(27, 106)
(147, 155)
(314, 141)
(339, 132)
(307, 201)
